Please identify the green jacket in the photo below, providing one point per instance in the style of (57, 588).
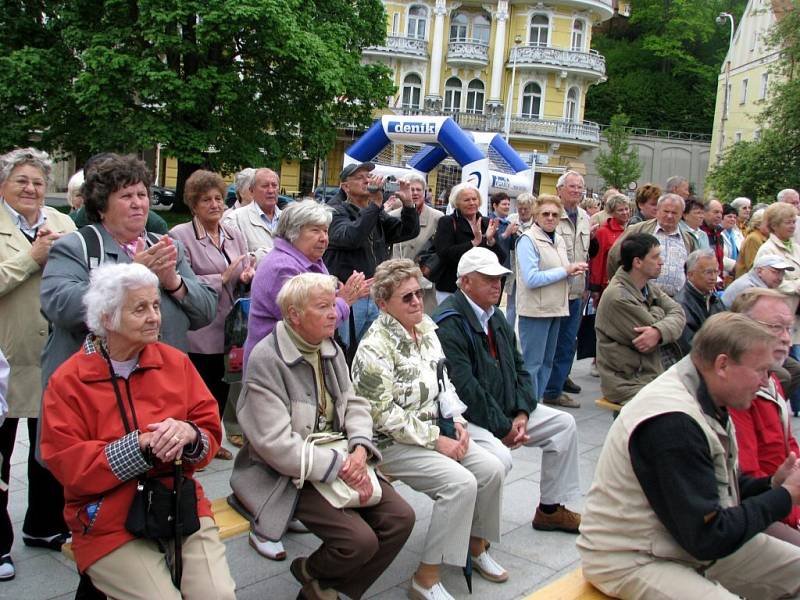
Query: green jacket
(155, 224)
(493, 390)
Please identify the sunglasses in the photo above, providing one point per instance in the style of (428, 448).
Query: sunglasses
(407, 298)
(549, 214)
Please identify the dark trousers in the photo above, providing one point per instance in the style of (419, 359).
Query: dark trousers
(565, 350)
(45, 514)
(212, 369)
(357, 544)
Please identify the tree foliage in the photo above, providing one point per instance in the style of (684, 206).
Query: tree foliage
(620, 165)
(759, 169)
(222, 83)
(663, 63)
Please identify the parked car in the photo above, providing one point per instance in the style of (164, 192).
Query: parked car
(323, 193)
(162, 195)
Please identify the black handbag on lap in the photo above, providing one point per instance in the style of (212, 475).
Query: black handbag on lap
(152, 511)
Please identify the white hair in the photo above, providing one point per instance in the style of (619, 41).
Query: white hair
(694, 257)
(670, 197)
(456, 192)
(300, 214)
(297, 290)
(674, 182)
(25, 156)
(562, 181)
(740, 202)
(412, 177)
(243, 179)
(74, 187)
(785, 192)
(109, 285)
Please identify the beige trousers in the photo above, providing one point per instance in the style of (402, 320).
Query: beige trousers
(762, 569)
(467, 496)
(138, 570)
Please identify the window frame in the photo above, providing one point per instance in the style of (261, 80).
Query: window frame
(412, 87)
(419, 21)
(582, 31)
(472, 106)
(522, 95)
(453, 107)
(538, 44)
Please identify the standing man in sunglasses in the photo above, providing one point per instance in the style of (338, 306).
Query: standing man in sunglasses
(490, 378)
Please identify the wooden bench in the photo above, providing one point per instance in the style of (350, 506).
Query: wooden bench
(229, 521)
(608, 405)
(571, 586)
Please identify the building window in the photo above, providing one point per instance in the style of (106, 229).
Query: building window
(417, 18)
(481, 26)
(475, 96)
(395, 23)
(571, 109)
(757, 135)
(540, 27)
(578, 28)
(727, 100)
(762, 95)
(532, 100)
(738, 137)
(743, 97)
(412, 91)
(452, 95)
(458, 27)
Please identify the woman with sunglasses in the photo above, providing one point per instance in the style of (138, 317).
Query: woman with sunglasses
(395, 368)
(542, 271)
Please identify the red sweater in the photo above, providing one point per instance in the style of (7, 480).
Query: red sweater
(763, 441)
(80, 418)
(606, 235)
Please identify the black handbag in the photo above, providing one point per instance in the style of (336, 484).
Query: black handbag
(152, 513)
(587, 337)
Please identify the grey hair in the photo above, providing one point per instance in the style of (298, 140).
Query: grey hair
(740, 202)
(243, 179)
(673, 183)
(25, 156)
(108, 286)
(563, 179)
(263, 170)
(456, 192)
(526, 199)
(390, 274)
(670, 197)
(590, 202)
(615, 200)
(695, 257)
(757, 218)
(414, 177)
(785, 192)
(297, 290)
(300, 214)
(74, 187)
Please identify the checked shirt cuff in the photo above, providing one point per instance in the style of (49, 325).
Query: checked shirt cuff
(125, 457)
(197, 451)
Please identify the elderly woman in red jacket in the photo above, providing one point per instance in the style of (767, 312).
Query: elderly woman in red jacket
(121, 408)
(619, 209)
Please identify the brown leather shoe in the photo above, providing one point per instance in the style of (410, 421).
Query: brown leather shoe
(236, 440)
(561, 520)
(564, 400)
(299, 570)
(312, 591)
(224, 454)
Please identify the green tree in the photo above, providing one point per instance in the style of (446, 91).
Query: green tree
(221, 83)
(620, 165)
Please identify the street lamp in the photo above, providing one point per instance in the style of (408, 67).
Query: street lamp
(517, 42)
(721, 19)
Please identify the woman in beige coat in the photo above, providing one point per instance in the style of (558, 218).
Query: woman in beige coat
(27, 230)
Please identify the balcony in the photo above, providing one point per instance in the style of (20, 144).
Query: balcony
(467, 53)
(590, 64)
(400, 46)
(601, 8)
(553, 130)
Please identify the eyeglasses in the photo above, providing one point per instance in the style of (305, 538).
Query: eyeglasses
(549, 214)
(708, 272)
(23, 182)
(409, 297)
(777, 328)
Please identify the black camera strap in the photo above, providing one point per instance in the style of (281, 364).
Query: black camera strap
(118, 394)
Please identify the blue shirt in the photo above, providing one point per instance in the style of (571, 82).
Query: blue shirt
(528, 260)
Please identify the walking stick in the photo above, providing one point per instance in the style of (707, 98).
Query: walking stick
(178, 561)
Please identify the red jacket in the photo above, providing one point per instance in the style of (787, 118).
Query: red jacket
(606, 235)
(764, 436)
(80, 417)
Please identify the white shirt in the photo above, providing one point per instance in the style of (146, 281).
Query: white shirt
(22, 222)
(272, 224)
(483, 315)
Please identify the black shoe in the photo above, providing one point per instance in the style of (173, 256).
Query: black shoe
(571, 387)
(52, 542)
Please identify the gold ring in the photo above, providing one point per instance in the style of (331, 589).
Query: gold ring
(176, 438)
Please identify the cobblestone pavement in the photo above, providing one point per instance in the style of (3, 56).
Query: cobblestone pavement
(532, 558)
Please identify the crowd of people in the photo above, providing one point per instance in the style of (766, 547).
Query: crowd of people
(377, 351)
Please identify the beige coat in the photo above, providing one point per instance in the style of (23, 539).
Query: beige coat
(623, 369)
(548, 300)
(428, 219)
(791, 279)
(576, 239)
(613, 261)
(258, 236)
(23, 329)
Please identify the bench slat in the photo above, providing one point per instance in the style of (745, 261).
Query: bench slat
(607, 405)
(571, 586)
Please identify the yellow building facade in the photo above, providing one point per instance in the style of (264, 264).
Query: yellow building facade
(745, 78)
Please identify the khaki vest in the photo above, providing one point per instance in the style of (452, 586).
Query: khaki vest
(551, 300)
(618, 521)
(576, 240)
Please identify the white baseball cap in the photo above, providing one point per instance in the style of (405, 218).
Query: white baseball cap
(772, 260)
(481, 260)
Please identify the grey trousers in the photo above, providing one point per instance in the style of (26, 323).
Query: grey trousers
(467, 496)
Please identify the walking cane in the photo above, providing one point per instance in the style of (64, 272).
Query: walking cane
(178, 524)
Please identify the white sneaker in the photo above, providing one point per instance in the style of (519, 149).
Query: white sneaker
(489, 568)
(295, 526)
(437, 592)
(268, 549)
(7, 570)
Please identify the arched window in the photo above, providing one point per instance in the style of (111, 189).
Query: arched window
(532, 100)
(571, 109)
(417, 18)
(458, 27)
(540, 26)
(412, 91)
(452, 95)
(475, 96)
(481, 26)
(578, 28)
